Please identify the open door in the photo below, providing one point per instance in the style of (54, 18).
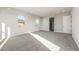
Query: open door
(51, 23)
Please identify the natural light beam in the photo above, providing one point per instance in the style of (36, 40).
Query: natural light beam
(46, 43)
(8, 36)
(3, 31)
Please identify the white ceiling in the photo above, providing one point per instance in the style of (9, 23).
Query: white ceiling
(44, 11)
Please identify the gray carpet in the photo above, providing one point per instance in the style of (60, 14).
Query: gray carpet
(27, 42)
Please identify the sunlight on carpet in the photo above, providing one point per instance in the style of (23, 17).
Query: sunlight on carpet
(46, 43)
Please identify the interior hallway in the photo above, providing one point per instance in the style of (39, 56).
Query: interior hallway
(26, 42)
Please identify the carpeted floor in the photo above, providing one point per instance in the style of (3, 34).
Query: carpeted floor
(27, 42)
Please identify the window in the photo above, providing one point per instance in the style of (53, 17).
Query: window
(21, 17)
(37, 21)
(21, 21)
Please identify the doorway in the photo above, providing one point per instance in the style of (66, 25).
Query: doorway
(51, 24)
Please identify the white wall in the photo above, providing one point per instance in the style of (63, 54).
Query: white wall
(58, 21)
(45, 23)
(9, 17)
(75, 24)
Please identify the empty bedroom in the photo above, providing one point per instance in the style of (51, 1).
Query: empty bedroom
(39, 29)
